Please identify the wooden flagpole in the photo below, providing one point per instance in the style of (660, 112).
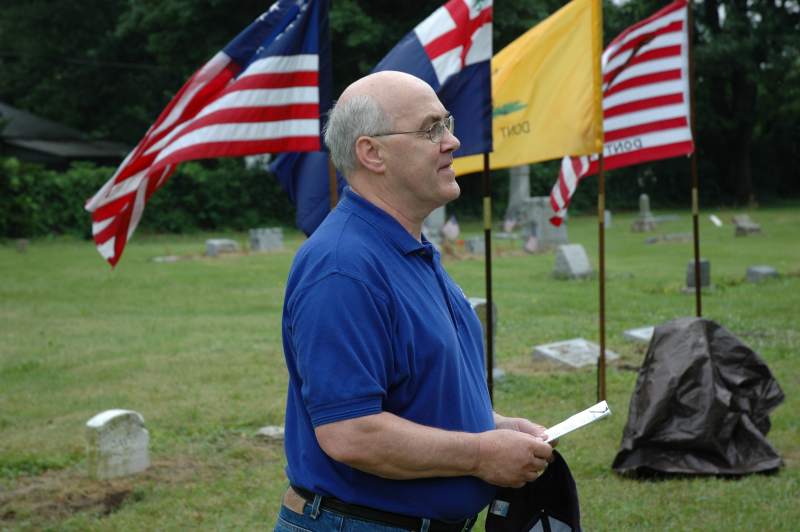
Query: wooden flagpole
(601, 230)
(332, 188)
(487, 242)
(695, 195)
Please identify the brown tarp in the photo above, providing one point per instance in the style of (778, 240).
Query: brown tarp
(701, 405)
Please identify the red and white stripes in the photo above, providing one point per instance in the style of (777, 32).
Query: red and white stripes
(645, 101)
(271, 106)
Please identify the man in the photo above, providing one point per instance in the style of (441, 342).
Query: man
(388, 420)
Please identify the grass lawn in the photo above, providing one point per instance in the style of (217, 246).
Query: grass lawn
(195, 346)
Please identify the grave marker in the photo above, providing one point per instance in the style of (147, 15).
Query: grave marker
(705, 274)
(117, 444)
(266, 239)
(217, 246)
(576, 353)
(572, 262)
(745, 226)
(756, 274)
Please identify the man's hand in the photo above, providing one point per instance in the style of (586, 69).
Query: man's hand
(511, 457)
(522, 425)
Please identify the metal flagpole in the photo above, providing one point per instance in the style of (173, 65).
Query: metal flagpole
(601, 228)
(487, 241)
(695, 195)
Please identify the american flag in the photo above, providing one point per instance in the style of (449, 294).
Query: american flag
(645, 101)
(260, 94)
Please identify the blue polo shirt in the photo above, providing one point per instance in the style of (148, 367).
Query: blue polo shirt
(372, 323)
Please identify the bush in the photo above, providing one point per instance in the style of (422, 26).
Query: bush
(212, 195)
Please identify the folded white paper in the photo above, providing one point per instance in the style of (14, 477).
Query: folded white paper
(593, 413)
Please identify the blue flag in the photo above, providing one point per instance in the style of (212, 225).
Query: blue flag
(451, 50)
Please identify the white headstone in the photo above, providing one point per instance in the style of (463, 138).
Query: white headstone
(645, 221)
(607, 219)
(479, 306)
(270, 432)
(576, 353)
(216, 246)
(117, 444)
(641, 335)
(266, 239)
(572, 262)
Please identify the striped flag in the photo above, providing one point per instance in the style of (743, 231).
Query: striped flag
(645, 101)
(260, 94)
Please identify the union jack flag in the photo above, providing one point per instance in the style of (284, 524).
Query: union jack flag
(260, 94)
(451, 50)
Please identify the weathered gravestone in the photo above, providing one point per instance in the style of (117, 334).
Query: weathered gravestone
(476, 245)
(433, 224)
(531, 214)
(270, 433)
(645, 221)
(572, 262)
(607, 219)
(117, 444)
(217, 246)
(266, 239)
(479, 305)
(757, 274)
(642, 335)
(705, 274)
(575, 353)
(744, 225)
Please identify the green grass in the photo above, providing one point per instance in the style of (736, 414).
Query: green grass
(195, 347)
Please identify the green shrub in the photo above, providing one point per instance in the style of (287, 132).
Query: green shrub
(212, 195)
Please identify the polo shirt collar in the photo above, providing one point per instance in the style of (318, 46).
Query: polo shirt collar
(382, 221)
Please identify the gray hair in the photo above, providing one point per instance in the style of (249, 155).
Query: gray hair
(355, 117)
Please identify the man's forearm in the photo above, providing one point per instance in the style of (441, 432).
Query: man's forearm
(392, 447)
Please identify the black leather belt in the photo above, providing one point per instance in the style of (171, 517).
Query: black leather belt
(386, 518)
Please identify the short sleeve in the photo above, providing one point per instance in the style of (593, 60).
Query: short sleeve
(341, 341)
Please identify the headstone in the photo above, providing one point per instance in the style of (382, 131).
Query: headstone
(432, 225)
(576, 353)
(607, 219)
(167, 258)
(479, 306)
(645, 221)
(22, 244)
(642, 334)
(757, 274)
(705, 274)
(744, 225)
(266, 239)
(217, 246)
(535, 221)
(117, 444)
(476, 245)
(270, 433)
(519, 191)
(572, 262)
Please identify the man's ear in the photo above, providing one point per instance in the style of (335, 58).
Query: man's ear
(368, 153)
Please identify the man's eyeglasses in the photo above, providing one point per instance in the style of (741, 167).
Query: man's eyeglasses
(435, 133)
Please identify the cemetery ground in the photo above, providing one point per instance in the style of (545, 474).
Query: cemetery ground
(194, 346)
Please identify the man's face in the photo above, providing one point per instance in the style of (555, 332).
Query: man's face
(418, 170)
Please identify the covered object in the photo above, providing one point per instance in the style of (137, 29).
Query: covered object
(701, 405)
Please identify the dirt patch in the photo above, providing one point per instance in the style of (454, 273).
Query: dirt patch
(56, 495)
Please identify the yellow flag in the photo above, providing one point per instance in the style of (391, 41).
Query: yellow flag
(546, 91)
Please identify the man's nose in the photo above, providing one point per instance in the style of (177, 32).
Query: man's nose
(449, 142)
